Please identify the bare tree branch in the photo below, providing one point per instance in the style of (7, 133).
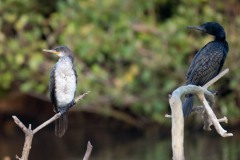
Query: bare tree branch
(28, 138)
(220, 75)
(88, 151)
(29, 133)
(177, 114)
(55, 117)
(213, 117)
(81, 96)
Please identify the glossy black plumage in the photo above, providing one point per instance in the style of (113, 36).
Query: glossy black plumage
(62, 87)
(208, 61)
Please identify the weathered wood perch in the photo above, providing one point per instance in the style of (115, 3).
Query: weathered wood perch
(29, 133)
(209, 118)
(88, 151)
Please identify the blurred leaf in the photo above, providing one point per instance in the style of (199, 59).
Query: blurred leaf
(135, 49)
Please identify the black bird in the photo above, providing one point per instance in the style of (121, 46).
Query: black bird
(62, 86)
(208, 61)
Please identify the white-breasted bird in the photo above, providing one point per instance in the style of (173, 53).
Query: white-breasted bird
(62, 86)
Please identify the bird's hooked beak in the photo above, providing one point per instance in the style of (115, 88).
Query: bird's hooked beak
(51, 51)
(197, 28)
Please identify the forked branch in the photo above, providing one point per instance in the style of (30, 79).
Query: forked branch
(29, 132)
(208, 115)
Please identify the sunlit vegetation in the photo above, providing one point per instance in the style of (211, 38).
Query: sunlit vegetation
(129, 54)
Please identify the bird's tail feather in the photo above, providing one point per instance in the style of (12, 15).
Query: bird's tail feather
(61, 125)
(188, 105)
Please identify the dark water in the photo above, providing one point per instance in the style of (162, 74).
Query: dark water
(120, 146)
(210, 146)
(111, 139)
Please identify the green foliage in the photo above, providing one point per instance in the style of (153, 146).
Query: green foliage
(129, 54)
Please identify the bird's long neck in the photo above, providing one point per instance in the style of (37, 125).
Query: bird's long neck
(220, 36)
(70, 57)
(220, 39)
(224, 43)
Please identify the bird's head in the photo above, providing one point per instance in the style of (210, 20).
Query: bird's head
(60, 51)
(212, 28)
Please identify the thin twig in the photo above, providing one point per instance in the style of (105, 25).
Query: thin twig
(224, 119)
(168, 116)
(81, 96)
(88, 151)
(20, 124)
(55, 117)
(29, 133)
(215, 79)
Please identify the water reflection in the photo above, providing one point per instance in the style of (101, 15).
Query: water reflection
(210, 146)
(123, 146)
